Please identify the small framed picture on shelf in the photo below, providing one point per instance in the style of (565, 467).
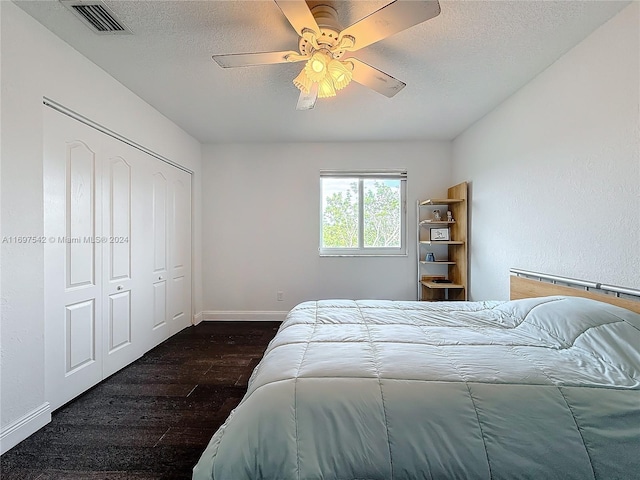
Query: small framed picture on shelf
(439, 234)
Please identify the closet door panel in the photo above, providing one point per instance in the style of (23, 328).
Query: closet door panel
(119, 324)
(159, 304)
(119, 227)
(159, 242)
(178, 300)
(80, 214)
(180, 260)
(80, 325)
(73, 282)
(127, 311)
(115, 242)
(160, 213)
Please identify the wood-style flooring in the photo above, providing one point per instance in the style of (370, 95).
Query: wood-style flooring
(153, 419)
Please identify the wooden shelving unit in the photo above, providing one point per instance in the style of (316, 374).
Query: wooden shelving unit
(451, 255)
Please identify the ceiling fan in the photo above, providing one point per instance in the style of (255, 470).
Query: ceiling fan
(326, 47)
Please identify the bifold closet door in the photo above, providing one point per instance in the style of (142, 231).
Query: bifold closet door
(73, 261)
(117, 255)
(126, 293)
(180, 244)
(170, 243)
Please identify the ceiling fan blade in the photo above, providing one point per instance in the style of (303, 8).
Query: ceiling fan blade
(249, 59)
(299, 15)
(375, 79)
(389, 20)
(306, 101)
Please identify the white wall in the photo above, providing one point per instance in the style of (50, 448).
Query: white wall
(555, 170)
(35, 63)
(261, 224)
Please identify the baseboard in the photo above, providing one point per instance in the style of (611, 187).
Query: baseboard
(24, 426)
(197, 318)
(240, 316)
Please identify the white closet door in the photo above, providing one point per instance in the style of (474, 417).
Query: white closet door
(170, 243)
(180, 248)
(117, 257)
(73, 281)
(158, 243)
(126, 296)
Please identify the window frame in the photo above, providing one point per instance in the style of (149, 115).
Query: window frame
(361, 250)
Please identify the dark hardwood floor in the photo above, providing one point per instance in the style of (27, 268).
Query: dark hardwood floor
(153, 419)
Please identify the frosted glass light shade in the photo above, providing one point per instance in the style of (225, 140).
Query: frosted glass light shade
(326, 88)
(316, 67)
(341, 73)
(303, 82)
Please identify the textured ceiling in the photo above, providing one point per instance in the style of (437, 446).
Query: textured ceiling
(457, 66)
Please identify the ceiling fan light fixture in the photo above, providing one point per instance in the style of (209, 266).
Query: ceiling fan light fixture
(330, 74)
(323, 42)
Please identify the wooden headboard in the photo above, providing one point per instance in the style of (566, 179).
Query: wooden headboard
(522, 287)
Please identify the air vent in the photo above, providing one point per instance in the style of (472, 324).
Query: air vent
(97, 16)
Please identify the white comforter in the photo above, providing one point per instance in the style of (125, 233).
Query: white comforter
(539, 388)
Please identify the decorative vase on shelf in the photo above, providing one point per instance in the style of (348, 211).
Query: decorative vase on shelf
(430, 257)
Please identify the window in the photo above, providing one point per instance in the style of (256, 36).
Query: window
(363, 213)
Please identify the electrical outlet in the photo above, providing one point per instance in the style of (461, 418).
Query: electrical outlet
(280, 295)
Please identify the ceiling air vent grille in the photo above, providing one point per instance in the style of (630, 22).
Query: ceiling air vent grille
(97, 16)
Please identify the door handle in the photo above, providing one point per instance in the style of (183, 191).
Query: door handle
(119, 287)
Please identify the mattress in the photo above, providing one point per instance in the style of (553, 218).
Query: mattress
(536, 388)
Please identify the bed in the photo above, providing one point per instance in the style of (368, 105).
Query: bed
(541, 388)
